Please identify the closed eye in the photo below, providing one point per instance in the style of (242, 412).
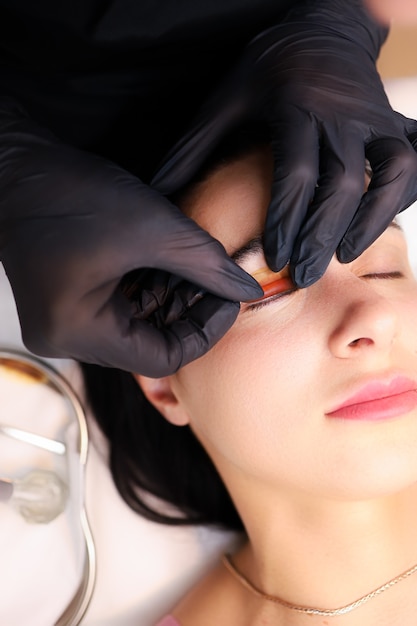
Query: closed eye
(383, 275)
(290, 289)
(259, 305)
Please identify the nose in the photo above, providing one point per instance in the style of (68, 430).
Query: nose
(366, 322)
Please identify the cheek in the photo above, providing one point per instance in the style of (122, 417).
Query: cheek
(251, 392)
(407, 316)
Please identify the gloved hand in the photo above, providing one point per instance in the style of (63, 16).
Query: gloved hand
(313, 80)
(72, 226)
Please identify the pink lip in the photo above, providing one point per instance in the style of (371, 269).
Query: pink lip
(379, 400)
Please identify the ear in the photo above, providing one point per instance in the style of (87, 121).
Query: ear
(159, 392)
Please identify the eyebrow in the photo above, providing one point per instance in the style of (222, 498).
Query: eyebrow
(255, 246)
(252, 247)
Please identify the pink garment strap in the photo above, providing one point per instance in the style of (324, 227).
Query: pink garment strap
(168, 620)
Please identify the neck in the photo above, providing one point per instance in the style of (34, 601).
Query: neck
(327, 554)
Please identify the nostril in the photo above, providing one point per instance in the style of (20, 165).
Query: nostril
(360, 343)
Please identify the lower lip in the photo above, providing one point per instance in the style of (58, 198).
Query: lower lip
(380, 409)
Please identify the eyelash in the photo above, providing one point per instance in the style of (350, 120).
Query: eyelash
(384, 275)
(374, 276)
(259, 305)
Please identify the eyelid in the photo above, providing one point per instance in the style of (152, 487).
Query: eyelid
(274, 287)
(272, 283)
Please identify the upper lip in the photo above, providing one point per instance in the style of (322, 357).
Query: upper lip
(377, 388)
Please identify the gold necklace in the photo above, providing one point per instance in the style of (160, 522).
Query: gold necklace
(227, 562)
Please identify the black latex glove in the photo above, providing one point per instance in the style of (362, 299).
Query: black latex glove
(313, 80)
(72, 226)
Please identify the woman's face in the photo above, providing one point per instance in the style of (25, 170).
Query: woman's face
(263, 400)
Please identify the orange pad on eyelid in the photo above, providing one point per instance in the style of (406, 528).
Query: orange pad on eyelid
(282, 284)
(271, 282)
(275, 287)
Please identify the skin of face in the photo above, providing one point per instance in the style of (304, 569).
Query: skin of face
(258, 401)
(402, 11)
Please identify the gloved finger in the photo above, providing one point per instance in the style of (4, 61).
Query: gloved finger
(141, 347)
(190, 252)
(160, 236)
(336, 198)
(408, 126)
(393, 188)
(203, 325)
(159, 297)
(149, 289)
(409, 123)
(411, 131)
(296, 171)
(412, 138)
(188, 338)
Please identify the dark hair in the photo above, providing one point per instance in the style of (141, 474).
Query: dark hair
(148, 455)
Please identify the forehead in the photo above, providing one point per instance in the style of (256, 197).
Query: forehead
(232, 203)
